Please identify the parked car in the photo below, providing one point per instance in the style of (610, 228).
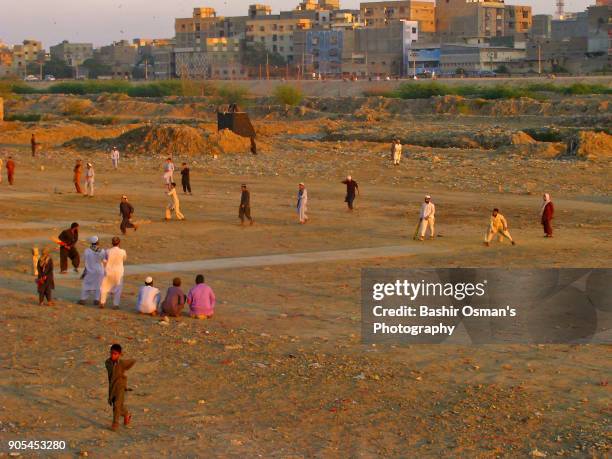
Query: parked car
(49, 78)
(31, 78)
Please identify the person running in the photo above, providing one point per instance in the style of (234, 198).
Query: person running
(427, 219)
(302, 203)
(10, 170)
(93, 274)
(126, 210)
(67, 240)
(113, 274)
(245, 205)
(185, 180)
(352, 189)
(115, 157)
(548, 212)
(174, 204)
(497, 226)
(76, 178)
(89, 180)
(44, 279)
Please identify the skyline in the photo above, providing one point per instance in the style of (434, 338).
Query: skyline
(115, 20)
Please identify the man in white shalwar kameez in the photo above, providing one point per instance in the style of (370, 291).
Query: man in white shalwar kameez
(89, 180)
(428, 218)
(174, 204)
(94, 272)
(168, 172)
(302, 203)
(113, 274)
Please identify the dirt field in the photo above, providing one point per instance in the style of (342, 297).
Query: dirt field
(280, 371)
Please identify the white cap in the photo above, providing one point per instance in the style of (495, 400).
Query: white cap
(149, 280)
(93, 239)
(427, 197)
(89, 164)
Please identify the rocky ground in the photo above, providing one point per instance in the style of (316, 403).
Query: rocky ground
(280, 370)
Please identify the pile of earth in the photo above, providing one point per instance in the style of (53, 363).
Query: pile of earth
(168, 140)
(590, 145)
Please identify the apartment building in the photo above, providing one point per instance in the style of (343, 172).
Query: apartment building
(6, 61)
(72, 54)
(319, 51)
(25, 53)
(480, 20)
(120, 56)
(224, 58)
(379, 51)
(380, 14)
(276, 33)
(477, 57)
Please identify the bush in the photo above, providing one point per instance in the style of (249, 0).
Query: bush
(156, 89)
(232, 94)
(421, 90)
(24, 117)
(287, 94)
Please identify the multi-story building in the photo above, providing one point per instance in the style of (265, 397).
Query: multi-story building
(313, 5)
(480, 20)
(275, 32)
(224, 58)
(72, 54)
(580, 42)
(6, 61)
(380, 14)
(477, 57)
(379, 51)
(121, 57)
(25, 53)
(164, 65)
(319, 51)
(541, 27)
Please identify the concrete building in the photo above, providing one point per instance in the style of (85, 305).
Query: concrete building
(579, 44)
(319, 51)
(480, 20)
(424, 59)
(380, 14)
(121, 57)
(541, 27)
(224, 58)
(379, 51)
(72, 54)
(25, 53)
(314, 5)
(164, 65)
(6, 61)
(477, 57)
(276, 33)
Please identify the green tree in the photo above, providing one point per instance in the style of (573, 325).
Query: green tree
(95, 68)
(256, 54)
(288, 94)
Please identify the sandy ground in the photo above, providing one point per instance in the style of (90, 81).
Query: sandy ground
(280, 370)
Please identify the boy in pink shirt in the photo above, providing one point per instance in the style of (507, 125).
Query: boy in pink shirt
(201, 300)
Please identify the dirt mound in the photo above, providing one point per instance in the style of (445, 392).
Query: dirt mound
(168, 140)
(225, 141)
(590, 145)
(521, 138)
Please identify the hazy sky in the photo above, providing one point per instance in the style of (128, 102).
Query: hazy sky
(104, 21)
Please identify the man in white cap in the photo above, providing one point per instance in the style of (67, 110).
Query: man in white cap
(302, 203)
(352, 189)
(89, 180)
(148, 298)
(115, 157)
(113, 274)
(427, 218)
(94, 271)
(168, 173)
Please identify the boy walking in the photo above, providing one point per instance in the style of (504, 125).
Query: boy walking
(117, 385)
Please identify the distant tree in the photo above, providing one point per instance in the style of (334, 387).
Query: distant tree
(95, 68)
(55, 67)
(503, 70)
(459, 71)
(256, 54)
(287, 94)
